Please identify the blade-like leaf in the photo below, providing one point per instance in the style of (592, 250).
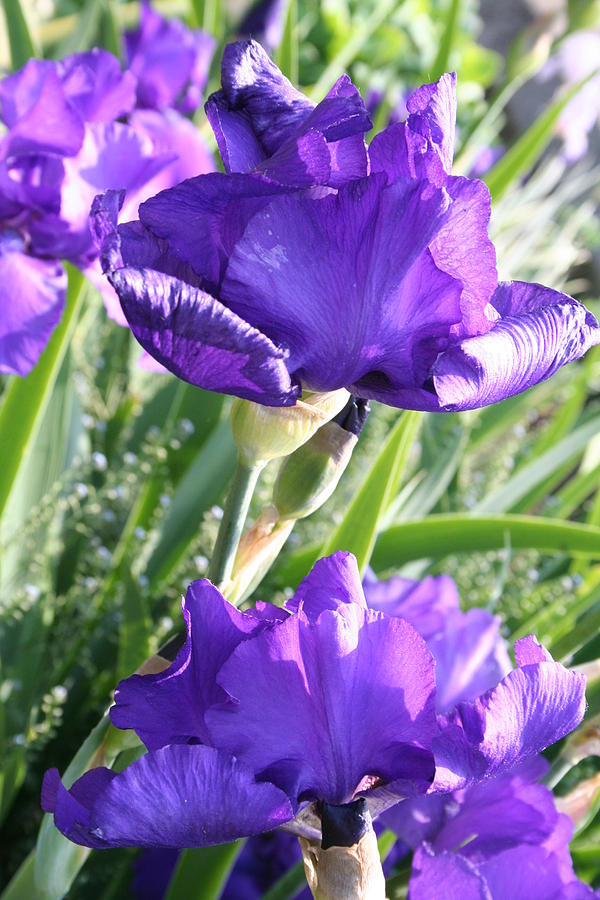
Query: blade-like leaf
(442, 59)
(202, 873)
(287, 55)
(19, 37)
(357, 531)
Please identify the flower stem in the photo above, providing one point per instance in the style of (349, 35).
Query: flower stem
(232, 523)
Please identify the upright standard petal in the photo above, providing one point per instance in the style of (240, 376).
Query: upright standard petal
(346, 282)
(538, 331)
(332, 581)
(361, 690)
(33, 296)
(180, 796)
(169, 707)
(96, 87)
(532, 708)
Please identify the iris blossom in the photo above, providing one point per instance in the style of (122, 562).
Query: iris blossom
(73, 128)
(312, 263)
(273, 718)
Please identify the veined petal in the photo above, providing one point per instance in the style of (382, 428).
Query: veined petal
(446, 876)
(361, 690)
(33, 296)
(200, 340)
(332, 581)
(180, 796)
(169, 707)
(532, 708)
(538, 332)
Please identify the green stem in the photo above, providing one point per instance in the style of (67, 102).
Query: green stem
(232, 523)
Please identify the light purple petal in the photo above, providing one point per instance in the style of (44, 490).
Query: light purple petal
(332, 581)
(446, 876)
(96, 87)
(264, 22)
(529, 651)
(529, 710)
(361, 690)
(37, 112)
(470, 657)
(169, 707)
(539, 330)
(180, 796)
(425, 603)
(531, 873)
(347, 284)
(33, 298)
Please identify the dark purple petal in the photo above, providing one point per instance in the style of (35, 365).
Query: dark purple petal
(201, 341)
(30, 183)
(446, 876)
(180, 796)
(203, 218)
(37, 112)
(96, 87)
(169, 707)
(301, 162)
(360, 688)
(169, 60)
(425, 604)
(316, 276)
(332, 581)
(529, 710)
(32, 299)
(538, 332)
(470, 657)
(255, 88)
(239, 147)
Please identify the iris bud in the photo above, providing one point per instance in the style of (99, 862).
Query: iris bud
(308, 477)
(262, 433)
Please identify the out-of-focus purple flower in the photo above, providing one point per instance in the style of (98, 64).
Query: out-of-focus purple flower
(501, 838)
(485, 160)
(72, 132)
(576, 58)
(227, 758)
(264, 22)
(309, 265)
(169, 60)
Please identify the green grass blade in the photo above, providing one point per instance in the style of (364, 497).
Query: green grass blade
(437, 536)
(525, 152)
(442, 59)
(289, 885)
(19, 37)
(357, 531)
(25, 399)
(202, 873)
(509, 494)
(288, 53)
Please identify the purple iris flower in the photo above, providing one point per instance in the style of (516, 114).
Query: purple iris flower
(269, 718)
(170, 61)
(501, 838)
(313, 264)
(73, 130)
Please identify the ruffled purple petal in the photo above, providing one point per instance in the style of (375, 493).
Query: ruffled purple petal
(33, 298)
(203, 218)
(300, 162)
(538, 332)
(361, 690)
(316, 276)
(532, 708)
(37, 112)
(169, 60)
(425, 604)
(96, 87)
(423, 145)
(180, 796)
(332, 581)
(169, 707)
